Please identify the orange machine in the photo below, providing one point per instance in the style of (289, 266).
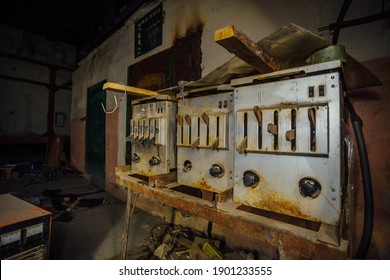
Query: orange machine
(24, 230)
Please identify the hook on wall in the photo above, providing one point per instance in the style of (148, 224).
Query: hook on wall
(116, 102)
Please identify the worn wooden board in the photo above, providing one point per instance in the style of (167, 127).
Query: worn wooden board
(128, 89)
(291, 45)
(288, 47)
(243, 47)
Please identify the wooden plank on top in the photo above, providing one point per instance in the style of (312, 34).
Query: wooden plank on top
(243, 47)
(128, 89)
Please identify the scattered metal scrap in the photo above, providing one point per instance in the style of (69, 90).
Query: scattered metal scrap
(175, 242)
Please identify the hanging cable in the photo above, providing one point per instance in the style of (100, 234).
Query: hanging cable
(110, 112)
(340, 19)
(368, 225)
(357, 125)
(116, 101)
(181, 85)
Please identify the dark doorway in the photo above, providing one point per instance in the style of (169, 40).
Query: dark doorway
(95, 140)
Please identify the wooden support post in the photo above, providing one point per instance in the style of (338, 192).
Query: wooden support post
(125, 236)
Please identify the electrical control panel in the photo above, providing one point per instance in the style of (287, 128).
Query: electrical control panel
(205, 131)
(153, 135)
(289, 147)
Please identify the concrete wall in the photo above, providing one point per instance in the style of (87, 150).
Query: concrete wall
(257, 18)
(26, 44)
(24, 105)
(372, 106)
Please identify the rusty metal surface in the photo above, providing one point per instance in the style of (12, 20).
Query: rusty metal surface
(300, 242)
(315, 151)
(242, 46)
(152, 135)
(14, 210)
(204, 138)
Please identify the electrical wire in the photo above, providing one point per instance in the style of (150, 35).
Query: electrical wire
(357, 124)
(340, 19)
(368, 223)
(116, 101)
(125, 235)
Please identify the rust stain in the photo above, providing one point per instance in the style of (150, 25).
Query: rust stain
(202, 183)
(295, 244)
(310, 250)
(272, 201)
(143, 172)
(14, 216)
(37, 209)
(264, 197)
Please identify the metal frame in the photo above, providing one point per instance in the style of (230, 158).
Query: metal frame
(295, 241)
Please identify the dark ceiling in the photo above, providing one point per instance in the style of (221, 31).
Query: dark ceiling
(82, 23)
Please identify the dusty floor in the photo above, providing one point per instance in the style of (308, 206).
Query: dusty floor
(93, 233)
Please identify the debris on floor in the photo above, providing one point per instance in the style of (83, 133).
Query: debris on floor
(64, 205)
(33, 172)
(173, 242)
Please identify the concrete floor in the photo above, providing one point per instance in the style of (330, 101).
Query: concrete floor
(94, 233)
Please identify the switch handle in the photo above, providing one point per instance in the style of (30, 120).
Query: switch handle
(257, 112)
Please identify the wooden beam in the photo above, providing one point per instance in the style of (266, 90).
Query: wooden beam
(128, 89)
(243, 47)
(26, 59)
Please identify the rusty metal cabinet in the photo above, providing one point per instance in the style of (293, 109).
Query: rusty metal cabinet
(24, 229)
(205, 131)
(152, 135)
(292, 145)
